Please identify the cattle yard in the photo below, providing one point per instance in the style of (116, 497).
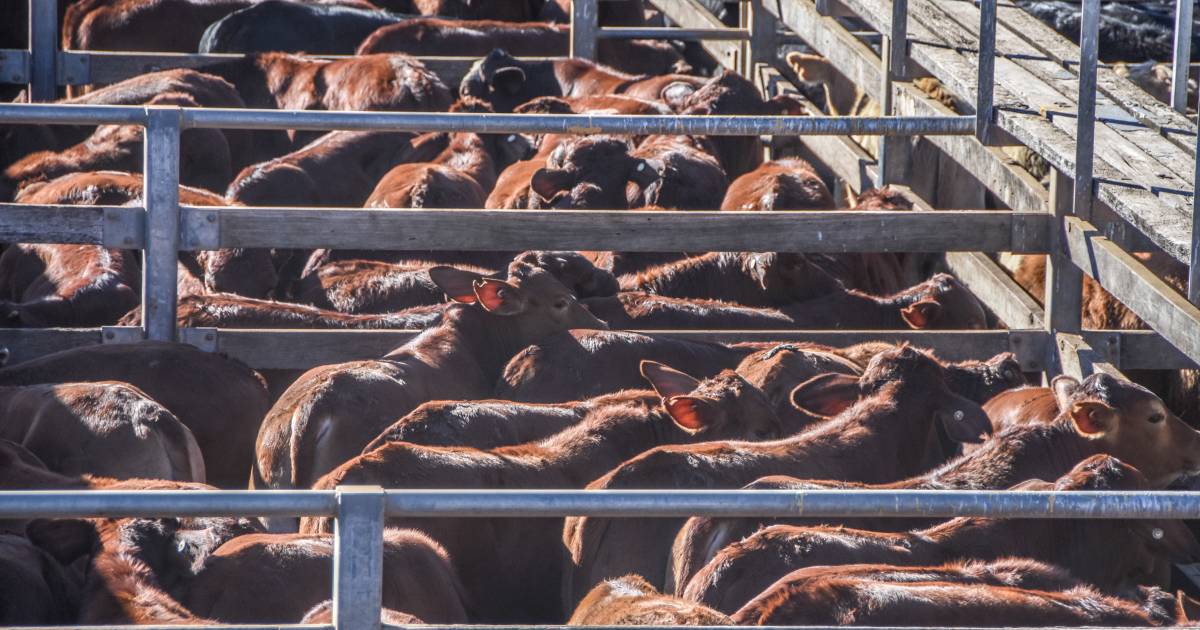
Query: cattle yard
(1122, 168)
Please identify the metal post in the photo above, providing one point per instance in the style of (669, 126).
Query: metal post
(585, 21)
(160, 161)
(1064, 281)
(762, 47)
(1085, 136)
(43, 50)
(358, 558)
(1193, 288)
(1183, 55)
(892, 152)
(984, 87)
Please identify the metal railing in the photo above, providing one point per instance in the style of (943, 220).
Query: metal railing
(359, 514)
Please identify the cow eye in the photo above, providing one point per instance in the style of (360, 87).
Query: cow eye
(1156, 418)
(561, 304)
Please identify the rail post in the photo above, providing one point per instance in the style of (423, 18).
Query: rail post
(585, 22)
(1085, 123)
(893, 150)
(761, 47)
(1183, 55)
(985, 86)
(160, 163)
(43, 50)
(358, 558)
(1193, 287)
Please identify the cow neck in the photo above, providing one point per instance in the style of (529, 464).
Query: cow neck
(1036, 451)
(607, 436)
(697, 276)
(990, 538)
(468, 330)
(468, 155)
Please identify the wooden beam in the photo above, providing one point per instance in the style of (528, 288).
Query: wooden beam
(114, 226)
(993, 286)
(1080, 360)
(503, 230)
(24, 344)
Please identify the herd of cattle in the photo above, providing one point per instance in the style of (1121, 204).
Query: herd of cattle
(525, 374)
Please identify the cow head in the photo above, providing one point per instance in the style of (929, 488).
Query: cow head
(787, 277)
(574, 270)
(590, 172)
(1128, 421)
(506, 148)
(941, 302)
(722, 407)
(981, 380)
(246, 272)
(505, 82)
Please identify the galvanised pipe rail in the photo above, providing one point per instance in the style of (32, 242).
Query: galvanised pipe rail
(612, 503)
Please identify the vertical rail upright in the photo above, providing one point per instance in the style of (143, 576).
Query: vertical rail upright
(358, 558)
(985, 85)
(1085, 124)
(761, 48)
(585, 21)
(893, 149)
(43, 50)
(1193, 287)
(1182, 55)
(160, 161)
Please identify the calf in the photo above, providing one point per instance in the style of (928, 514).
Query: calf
(889, 432)
(746, 278)
(722, 407)
(330, 412)
(580, 364)
(225, 310)
(631, 601)
(277, 578)
(868, 602)
(637, 310)
(941, 302)
(590, 172)
(790, 184)
(435, 37)
(512, 190)
(689, 176)
(109, 429)
(219, 399)
(66, 285)
(743, 569)
(288, 26)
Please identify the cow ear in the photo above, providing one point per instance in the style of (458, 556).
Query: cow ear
(826, 394)
(64, 539)
(921, 314)
(547, 182)
(508, 80)
(1186, 609)
(1092, 417)
(691, 413)
(676, 93)
(499, 297)
(459, 285)
(1064, 387)
(668, 382)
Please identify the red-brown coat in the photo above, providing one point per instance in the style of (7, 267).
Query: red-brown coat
(109, 429)
(322, 614)
(219, 399)
(722, 407)
(226, 310)
(512, 191)
(889, 434)
(631, 601)
(743, 569)
(689, 175)
(590, 172)
(789, 184)
(66, 285)
(746, 278)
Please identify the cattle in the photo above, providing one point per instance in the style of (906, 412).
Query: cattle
(434, 37)
(1128, 32)
(506, 82)
(323, 614)
(34, 587)
(631, 601)
(220, 400)
(590, 172)
(740, 571)
(579, 364)
(788, 184)
(888, 444)
(512, 189)
(288, 26)
(66, 285)
(590, 104)
(277, 578)
(332, 411)
(746, 278)
(722, 407)
(108, 429)
(204, 157)
(247, 272)
(689, 175)
(638, 310)
(868, 602)
(941, 302)
(226, 310)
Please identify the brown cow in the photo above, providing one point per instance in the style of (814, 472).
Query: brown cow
(109, 429)
(435, 37)
(219, 399)
(590, 104)
(512, 190)
(638, 310)
(590, 172)
(225, 310)
(890, 432)
(631, 601)
(689, 175)
(332, 411)
(722, 407)
(789, 184)
(247, 272)
(746, 278)
(322, 614)
(277, 578)
(66, 285)
(743, 569)
(830, 600)
(204, 154)
(941, 302)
